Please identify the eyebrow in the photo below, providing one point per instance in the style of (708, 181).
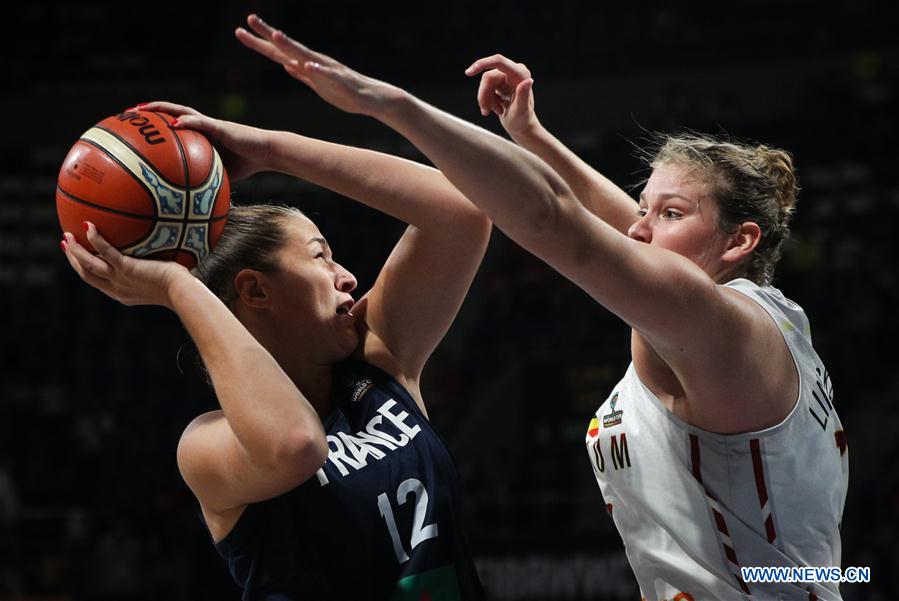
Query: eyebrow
(666, 196)
(318, 239)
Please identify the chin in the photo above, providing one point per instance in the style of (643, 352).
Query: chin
(348, 345)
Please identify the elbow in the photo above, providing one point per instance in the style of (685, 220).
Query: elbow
(480, 226)
(304, 450)
(545, 221)
(468, 224)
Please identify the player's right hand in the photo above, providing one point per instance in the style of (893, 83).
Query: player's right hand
(126, 279)
(245, 150)
(334, 82)
(506, 89)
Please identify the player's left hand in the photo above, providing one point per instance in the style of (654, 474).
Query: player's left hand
(245, 150)
(334, 82)
(506, 89)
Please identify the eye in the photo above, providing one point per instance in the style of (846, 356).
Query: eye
(671, 214)
(641, 212)
(320, 255)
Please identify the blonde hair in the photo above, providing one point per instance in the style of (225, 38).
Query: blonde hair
(750, 182)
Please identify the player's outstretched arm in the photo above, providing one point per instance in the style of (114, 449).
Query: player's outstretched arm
(664, 295)
(268, 438)
(506, 89)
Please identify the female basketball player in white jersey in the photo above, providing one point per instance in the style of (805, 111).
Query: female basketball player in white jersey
(720, 447)
(320, 477)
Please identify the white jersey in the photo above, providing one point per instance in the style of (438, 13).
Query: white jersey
(694, 507)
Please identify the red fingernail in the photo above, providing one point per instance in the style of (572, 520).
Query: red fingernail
(63, 245)
(142, 105)
(87, 226)
(174, 123)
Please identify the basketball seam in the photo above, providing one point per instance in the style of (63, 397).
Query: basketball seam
(211, 171)
(139, 155)
(88, 203)
(187, 192)
(141, 183)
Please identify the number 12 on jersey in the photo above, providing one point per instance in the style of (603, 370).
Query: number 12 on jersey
(420, 532)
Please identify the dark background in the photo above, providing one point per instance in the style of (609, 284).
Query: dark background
(93, 395)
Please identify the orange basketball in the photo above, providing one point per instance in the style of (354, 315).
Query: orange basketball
(152, 191)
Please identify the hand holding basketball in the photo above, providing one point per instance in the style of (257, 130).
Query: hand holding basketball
(334, 82)
(125, 279)
(245, 150)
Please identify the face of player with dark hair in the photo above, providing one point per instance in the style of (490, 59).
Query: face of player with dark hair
(311, 294)
(678, 213)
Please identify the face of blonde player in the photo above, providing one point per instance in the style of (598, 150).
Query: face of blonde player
(678, 213)
(311, 294)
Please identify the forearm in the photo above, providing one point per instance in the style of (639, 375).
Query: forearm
(262, 405)
(598, 194)
(411, 192)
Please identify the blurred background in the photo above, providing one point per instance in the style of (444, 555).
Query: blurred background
(94, 395)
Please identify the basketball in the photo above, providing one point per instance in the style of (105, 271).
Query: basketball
(153, 192)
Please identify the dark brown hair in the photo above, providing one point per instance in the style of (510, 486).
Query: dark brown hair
(252, 237)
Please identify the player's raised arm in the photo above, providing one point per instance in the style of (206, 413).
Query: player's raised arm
(272, 438)
(423, 283)
(506, 89)
(521, 194)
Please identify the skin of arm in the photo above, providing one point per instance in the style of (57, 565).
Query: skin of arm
(672, 304)
(267, 438)
(506, 89)
(670, 301)
(425, 279)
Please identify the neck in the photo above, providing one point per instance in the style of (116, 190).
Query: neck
(312, 379)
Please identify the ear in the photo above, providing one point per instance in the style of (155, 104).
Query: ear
(742, 242)
(251, 287)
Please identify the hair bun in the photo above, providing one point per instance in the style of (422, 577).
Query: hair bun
(778, 165)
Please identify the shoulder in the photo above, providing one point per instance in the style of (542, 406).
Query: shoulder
(786, 314)
(191, 450)
(373, 350)
(196, 430)
(199, 423)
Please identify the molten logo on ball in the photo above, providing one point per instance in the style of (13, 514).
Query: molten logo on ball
(151, 134)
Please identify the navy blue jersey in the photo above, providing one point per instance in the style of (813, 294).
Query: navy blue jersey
(379, 521)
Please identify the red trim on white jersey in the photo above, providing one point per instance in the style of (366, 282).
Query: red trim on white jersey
(723, 533)
(760, 486)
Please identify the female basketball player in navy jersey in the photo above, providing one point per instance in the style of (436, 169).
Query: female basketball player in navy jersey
(720, 448)
(320, 477)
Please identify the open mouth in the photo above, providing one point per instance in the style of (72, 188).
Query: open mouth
(344, 308)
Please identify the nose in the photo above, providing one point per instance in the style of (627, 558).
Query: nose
(640, 230)
(345, 281)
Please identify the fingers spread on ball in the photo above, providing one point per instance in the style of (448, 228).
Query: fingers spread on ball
(161, 106)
